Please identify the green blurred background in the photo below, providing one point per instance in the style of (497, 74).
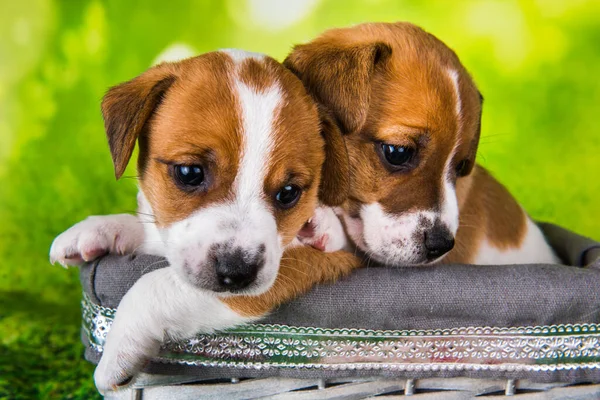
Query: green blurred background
(536, 62)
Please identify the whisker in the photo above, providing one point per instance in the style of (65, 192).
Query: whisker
(142, 213)
(297, 270)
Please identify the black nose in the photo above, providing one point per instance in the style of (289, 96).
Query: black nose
(438, 241)
(237, 269)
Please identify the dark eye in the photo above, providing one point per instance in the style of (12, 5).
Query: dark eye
(397, 155)
(461, 168)
(189, 176)
(288, 196)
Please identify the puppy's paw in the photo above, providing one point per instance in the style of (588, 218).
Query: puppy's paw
(324, 231)
(109, 381)
(121, 363)
(116, 373)
(96, 236)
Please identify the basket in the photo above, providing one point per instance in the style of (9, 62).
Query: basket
(531, 331)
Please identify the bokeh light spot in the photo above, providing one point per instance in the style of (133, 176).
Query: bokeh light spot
(271, 15)
(175, 52)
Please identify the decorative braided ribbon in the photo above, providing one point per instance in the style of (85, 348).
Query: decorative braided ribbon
(260, 346)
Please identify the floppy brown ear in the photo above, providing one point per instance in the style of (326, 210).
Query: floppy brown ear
(339, 77)
(335, 173)
(126, 109)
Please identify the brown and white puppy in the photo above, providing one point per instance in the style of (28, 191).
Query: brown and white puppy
(232, 162)
(411, 117)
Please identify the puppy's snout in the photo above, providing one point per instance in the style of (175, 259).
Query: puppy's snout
(438, 241)
(237, 268)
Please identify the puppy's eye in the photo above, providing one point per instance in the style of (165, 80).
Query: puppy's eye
(189, 176)
(288, 196)
(397, 155)
(462, 168)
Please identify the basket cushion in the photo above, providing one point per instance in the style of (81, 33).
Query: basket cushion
(409, 322)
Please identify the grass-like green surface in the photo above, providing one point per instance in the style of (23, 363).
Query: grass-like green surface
(535, 62)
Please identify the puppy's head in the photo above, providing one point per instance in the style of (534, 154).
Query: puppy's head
(411, 117)
(231, 153)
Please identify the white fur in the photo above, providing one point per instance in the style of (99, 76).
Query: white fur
(454, 77)
(154, 243)
(449, 206)
(399, 239)
(159, 306)
(241, 225)
(164, 303)
(534, 249)
(95, 236)
(259, 112)
(246, 221)
(387, 238)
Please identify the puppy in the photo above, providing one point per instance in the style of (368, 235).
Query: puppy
(232, 161)
(411, 117)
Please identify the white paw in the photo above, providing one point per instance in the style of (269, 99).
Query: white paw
(121, 361)
(324, 231)
(159, 305)
(96, 236)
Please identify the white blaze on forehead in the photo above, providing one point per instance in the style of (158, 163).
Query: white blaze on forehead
(449, 206)
(259, 111)
(453, 74)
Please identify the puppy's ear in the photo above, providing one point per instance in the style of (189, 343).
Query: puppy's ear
(126, 109)
(339, 77)
(335, 174)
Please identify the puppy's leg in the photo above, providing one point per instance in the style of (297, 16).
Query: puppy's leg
(96, 236)
(324, 231)
(161, 305)
(99, 235)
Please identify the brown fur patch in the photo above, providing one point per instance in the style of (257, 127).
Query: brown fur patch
(407, 98)
(487, 211)
(199, 123)
(346, 64)
(126, 109)
(301, 268)
(298, 153)
(258, 74)
(335, 179)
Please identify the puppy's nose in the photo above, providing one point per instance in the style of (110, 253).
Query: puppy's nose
(237, 269)
(438, 241)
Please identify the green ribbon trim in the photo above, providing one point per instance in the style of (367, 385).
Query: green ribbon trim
(262, 346)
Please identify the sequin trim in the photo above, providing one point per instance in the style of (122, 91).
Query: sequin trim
(263, 346)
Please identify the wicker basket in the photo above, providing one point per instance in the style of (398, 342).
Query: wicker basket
(544, 341)
(365, 388)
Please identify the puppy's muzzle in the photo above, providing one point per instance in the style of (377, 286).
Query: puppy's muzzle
(438, 241)
(236, 268)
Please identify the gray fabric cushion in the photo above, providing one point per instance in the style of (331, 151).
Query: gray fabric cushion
(433, 297)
